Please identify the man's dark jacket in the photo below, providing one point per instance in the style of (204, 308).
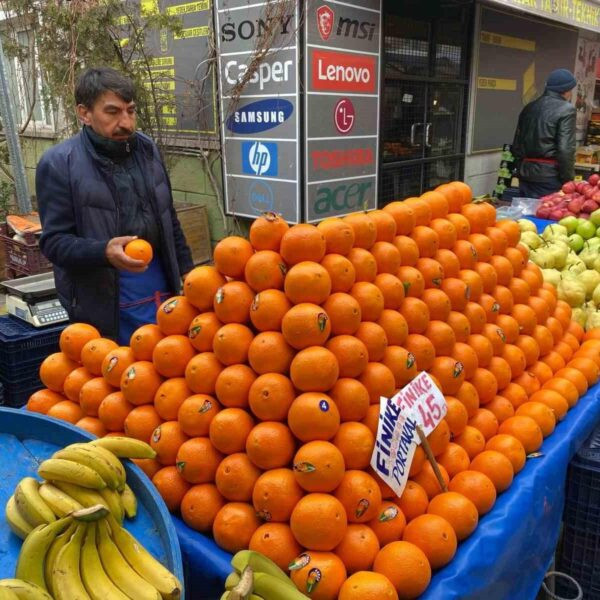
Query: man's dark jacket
(79, 210)
(546, 130)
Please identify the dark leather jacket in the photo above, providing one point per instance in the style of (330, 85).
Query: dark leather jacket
(546, 130)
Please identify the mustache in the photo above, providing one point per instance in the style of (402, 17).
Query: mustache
(121, 132)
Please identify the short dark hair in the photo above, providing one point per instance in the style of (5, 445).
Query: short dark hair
(93, 82)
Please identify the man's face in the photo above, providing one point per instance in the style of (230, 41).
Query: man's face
(110, 116)
(568, 95)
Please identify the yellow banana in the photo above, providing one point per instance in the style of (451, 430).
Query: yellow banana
(115, 503)
(113, 460)
(129, 502)
(119, 570)
(30, 565)
(16, 521)
(244, 587)
(144, 563)
(7, 594)
(96, 581)
(52, 553)
(25, 590)
(30, 504)
(259, 563)
(84, 496)
(91, 514)
(58, 469)
(66, 578)
(232, 580)
(84, 455)
(62, 504)
(125, 447)
(273, 588)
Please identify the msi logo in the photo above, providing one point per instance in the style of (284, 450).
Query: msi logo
(325, 18)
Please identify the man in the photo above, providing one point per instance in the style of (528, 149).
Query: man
(96, 192)
(544, 145)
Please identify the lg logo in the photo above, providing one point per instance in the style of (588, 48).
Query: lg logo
(344, 115)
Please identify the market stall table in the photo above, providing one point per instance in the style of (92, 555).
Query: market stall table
(509, 552)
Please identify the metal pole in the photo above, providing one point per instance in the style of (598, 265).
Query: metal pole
(14, 149)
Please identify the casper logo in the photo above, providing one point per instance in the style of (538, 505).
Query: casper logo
(266, 72)
(342, 197)
(260, 116)
(340, 72)
(259, 158)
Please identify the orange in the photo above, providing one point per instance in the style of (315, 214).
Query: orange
(344, 313)
(306, 282)
(233, 385)
(352, 399)
(442, 337)
(403, 215)
(314, 369)
(498, 238)
(515, 358)
(413, 501)
(356, 443)
(200, 287)
(113, 411)
(565, 388)
(232, 302)
(449, 372)
(553, 400)
(385, 224)
(401, 363)
(496, 466)
(139, 250)
(431, 271)
(414, 577)
(540, 308)
(358, 548)
(446, 233)
(230, 344)
(265, 270)
(195, 414)
(533, 276)
(42, 400)
(270, 445)
(476, 315)
(365, 585)
(501, 407)
(466, 254)
(572, 340)
(529, 348)
(577, 378)
(526, 318)
(439, 438)
(563, 312)
(461, 224)
(360, 496)
(391, 288)
(144, 339)
(526, 430)
(500, 369)
(419, 460)
(200, 506)
(319, 574)
(66, 411)
(438, 203)
(554, 360)
(306, 325)
(235, 477)
(92, 394)
(275, 494)
(504, 269)
(541, 413)
(141, 422)
(197, 460)
(511, 447)
(485, 421)
(477, 487)
(266, 231)
(587, 366)
(374, 337)
(409, 251)
(448, 261)
(270, 396)
(175, 314)
(229, 430)
(483, 347)
(313, 416)
(510, 328)
(339, 235)
(422, 210)
(416, 314)
(511, 228)
(379, 381)
(483, 246)
(319, 522)
(556, 329)
(341, 272)
(231, 255)
(422, 349)
(457, 416)
(266, 313)
(489, 278)
(269, 352)
(457, 291)
(276, 541)
(592, 334)
(319, 466)
(166, 440)
(150, 466)
(472, 440)
(529, 382)
(171, 355)
(412, 280)
(115, 362)
(454, 459)
(74, 382)
(74, 337)
(387, 258)
(92, 355)
(457, 510)
(504, 300)
(438, 304)
(520, 290)
(365, 230)
(434, 536)
(427, 239)
(517, 260)
(473, 281)
(234, 526)
(575, 329)
(171, 486)
(394, 325)
(468, 395)
(389, 524)
(140, 382)
(427, 479)
(588, 352)
(477, 215)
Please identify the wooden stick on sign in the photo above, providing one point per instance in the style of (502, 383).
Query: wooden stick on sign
(431, 458)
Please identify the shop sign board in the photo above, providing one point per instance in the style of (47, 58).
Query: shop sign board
(259, 103)
(341, 109)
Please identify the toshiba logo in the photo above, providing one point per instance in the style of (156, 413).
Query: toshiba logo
(341, 72)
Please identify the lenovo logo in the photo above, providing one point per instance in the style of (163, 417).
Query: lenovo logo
(340, 72)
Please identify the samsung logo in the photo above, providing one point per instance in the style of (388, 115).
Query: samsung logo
(260, 116)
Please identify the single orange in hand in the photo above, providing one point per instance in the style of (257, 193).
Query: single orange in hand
(139, 250)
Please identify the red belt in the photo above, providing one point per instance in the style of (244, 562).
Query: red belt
(545, 161)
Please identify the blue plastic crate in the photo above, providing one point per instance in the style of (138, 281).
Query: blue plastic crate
(22, 343)
(15, 395)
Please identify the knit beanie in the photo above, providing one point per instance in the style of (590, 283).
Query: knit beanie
(561, 80)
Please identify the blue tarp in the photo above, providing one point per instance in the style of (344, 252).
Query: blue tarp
(505, 558)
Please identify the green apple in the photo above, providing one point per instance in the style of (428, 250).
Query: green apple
(570, 223)
(576, 242)
(586, 229)
(595, 218)
(526, 225)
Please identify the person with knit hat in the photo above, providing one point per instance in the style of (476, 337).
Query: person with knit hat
(544, 144)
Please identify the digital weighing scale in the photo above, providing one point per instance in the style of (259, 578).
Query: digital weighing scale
(33, 299)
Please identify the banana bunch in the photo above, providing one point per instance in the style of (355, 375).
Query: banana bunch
(256, 577)
(76, 477)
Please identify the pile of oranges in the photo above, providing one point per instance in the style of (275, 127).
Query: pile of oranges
(259, 387)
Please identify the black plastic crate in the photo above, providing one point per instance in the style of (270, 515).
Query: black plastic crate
(16, 395)
(580, 558)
